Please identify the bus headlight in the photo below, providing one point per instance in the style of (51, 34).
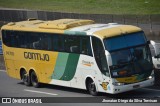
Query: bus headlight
(150, 77)
(118, 84)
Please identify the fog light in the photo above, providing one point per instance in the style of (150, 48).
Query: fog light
(150, 77)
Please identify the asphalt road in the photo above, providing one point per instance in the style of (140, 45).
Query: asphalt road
(2, 64)
(10, 87)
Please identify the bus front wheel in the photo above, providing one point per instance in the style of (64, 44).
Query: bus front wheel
(92, 87)
(25, 78)
(34, 80)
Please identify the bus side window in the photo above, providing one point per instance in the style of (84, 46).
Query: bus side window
(85, 46)
(14, 39)
(57, 43)
(6, 38)
(49, 42)
(99, 55)
(32, 38)
(61, 43)
(39, 41)
(44, 41)
(72, 44)
(10, 38)
(22, 39)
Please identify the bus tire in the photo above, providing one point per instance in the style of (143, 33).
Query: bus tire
(91, 87)
(34, 80)
(25, 78)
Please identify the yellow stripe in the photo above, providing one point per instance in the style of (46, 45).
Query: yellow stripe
(116, 31)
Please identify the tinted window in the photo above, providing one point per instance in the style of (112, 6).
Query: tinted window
(86, 46)
(55, 44)
(72, 44)
(4, 37)
(41, 41)
(27, 40)
(124, 41)
(61, 43)
(45, 41)
(9, 38)
(99, 55)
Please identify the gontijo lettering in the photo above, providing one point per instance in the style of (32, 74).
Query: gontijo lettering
(36, 56)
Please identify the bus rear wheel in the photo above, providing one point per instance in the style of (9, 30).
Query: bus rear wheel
(25, 78)
(34, 80)
(92, 87)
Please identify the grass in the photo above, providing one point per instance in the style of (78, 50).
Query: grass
(87, 6)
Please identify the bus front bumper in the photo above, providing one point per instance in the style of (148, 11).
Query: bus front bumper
(129, 87)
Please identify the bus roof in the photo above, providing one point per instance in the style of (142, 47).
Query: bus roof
(85, 27)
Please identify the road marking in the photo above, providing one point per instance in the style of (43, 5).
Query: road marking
(2, 71)
(39, 92)
(151, 89)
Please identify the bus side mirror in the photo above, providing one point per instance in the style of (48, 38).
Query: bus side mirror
(148, 42)
(157, 56)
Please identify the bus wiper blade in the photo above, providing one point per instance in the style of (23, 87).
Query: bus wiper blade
(121, 65)
(125, 63)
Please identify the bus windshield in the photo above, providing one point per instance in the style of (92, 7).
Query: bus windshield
(130, 55)
(121, 42)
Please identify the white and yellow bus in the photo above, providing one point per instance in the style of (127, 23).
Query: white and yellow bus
(110, 58)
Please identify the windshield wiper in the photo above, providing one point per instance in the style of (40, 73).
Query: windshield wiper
(113, 67)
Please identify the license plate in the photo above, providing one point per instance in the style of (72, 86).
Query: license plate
(136, 86)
